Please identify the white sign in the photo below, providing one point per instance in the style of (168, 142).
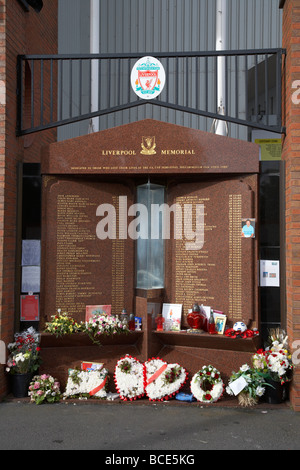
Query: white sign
(238, 385)
(148, 78)
(269, 273)
(2, 352)
(31, 252)
(31, 279)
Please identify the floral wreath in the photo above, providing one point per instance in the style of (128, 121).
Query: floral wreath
(207, 385)
(163, 380)
(129, 378)
(155, 378)
(84, 383)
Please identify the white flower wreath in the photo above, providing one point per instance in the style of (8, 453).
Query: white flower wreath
(207, 385)
(163, 380)
(129, 378)
(86, 383)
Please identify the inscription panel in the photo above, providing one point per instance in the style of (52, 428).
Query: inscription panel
(221, 273)
(80, 269)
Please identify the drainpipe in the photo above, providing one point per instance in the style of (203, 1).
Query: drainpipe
(94, 49)
(221, 127)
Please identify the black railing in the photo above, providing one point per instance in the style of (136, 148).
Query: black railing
(55, 90)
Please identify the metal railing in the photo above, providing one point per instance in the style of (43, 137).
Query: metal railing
(55, 90)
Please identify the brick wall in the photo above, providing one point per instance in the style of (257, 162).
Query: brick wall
(291, 155)
(21, 32)
(3, 325)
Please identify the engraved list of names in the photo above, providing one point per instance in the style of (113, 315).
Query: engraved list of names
(75, 258)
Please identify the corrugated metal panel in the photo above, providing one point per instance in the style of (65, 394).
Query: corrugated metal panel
(167, 25)
(73, 38)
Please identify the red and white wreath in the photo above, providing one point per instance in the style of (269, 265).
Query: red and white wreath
(163, 380)
(82, 383)
(129, 378)
(158, 379)
(207, 385)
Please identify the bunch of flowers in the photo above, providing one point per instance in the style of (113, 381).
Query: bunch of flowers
(129, 378)
(44, 388)
(62, 324)
(102, 324)
(277, 339)
(24, 352)
(279, 365)
(172, 374)
(254, 385)
(86, 384)
(275, 361)
(207, 385)
(162, 380)
(259, 361)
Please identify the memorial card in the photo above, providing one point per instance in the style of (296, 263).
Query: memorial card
(172, 314)
(92, 310)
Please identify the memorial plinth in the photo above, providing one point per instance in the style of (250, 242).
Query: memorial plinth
(86, 178)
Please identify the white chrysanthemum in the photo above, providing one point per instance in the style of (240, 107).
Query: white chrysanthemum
(260, 391)
(244, 368)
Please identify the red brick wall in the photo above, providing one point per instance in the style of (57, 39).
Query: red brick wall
(291, 155)
(21, 32)
(3, 324)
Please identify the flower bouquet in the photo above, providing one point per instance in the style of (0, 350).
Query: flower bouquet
(207, 385)
(102, 324)
(251, 385)
(62, 324)
(162, 380)
(279, 366)
(275, 364)
(44, 388)
(86, 384)
(278, 357)
(24, 353)
(129, 378)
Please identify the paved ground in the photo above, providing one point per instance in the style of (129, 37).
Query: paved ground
(146, 427)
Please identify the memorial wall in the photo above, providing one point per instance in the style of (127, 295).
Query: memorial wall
(90, 184)
(79, 268)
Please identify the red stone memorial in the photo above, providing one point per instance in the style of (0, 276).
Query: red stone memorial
(211, 177)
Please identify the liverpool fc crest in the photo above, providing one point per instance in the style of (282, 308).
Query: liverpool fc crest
(148, 146)
(148, 78)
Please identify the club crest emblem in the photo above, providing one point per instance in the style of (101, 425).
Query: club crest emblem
(148, 146)
(148, 78)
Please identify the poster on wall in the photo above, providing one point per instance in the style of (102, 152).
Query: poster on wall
(31, 252)
(31, 279)
(270, 149)
(30, 308)
(269, 273)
